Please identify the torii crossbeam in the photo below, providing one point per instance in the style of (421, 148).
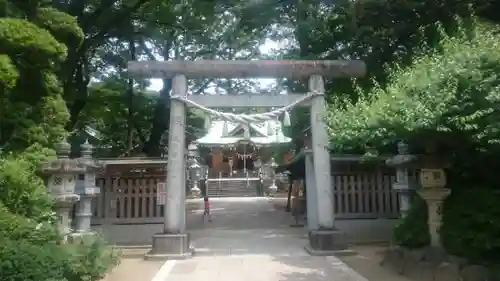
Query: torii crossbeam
(248, 69)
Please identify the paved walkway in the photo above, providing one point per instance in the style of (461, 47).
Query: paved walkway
(249, 240)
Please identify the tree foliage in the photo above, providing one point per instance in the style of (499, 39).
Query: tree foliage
(451, 90)
(447, 98)
(35, 41)
(33, 110)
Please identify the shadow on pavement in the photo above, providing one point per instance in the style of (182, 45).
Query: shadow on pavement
(316, 269)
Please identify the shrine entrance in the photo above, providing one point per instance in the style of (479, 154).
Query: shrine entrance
(174, 241)
(239, 162)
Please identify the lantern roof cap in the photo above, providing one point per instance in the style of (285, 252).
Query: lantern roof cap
(63, 165)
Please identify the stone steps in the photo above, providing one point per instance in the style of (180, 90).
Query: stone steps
(234, 188)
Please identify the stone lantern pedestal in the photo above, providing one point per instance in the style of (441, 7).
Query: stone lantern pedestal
(434, 193)
(62, 181)
(194, 170)
(405, 189)
(87, 190)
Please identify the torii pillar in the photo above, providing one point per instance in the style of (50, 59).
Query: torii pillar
(173, 242)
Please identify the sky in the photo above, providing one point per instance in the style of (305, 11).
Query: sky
(267, 47)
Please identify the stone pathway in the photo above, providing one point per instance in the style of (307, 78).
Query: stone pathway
(249, 240)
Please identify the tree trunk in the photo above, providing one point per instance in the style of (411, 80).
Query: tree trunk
(130, 103)
(161, 118)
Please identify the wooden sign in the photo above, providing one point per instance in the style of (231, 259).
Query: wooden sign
(160, 194)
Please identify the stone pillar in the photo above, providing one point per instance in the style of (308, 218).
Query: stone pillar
(174, 243)
(433, 191)
(325, 240)
(62, 180)
(312, 199)
(87, 190)
(402, 162)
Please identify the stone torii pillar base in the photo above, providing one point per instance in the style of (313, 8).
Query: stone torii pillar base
(328, 242)
(170, 247)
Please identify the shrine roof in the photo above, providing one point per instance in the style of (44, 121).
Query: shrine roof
(265, 133)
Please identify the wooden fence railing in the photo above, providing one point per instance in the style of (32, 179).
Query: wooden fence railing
(127, 201)
(365, 195)
(361, 191)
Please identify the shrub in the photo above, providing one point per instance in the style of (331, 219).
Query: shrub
(32, 251)
(413, 231)
(472, 229)
(23, 261)
(90, 260)
(15, 227)
(21, 190)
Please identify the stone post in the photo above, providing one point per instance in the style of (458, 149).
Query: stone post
(311, 197)
(402, 162)
(62, 180)
(174, 242)
(87, 190)
(325, 240)
(194, 169)
(433, 191)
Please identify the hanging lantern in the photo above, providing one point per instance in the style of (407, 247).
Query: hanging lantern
(225, 129)
(286, 119)
(208, 123)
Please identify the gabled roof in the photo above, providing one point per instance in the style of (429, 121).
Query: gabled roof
(215, 136)
(252, 128)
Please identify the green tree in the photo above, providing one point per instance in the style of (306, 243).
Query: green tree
(448, 98)
(32, 49)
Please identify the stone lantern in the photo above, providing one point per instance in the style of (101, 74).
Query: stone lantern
(402, 162)
(62, 180)
(194, 169)
(87, 189)
(273, 188)
(433, 191)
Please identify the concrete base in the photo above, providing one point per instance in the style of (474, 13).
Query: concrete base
(328, 242)
(170, 247)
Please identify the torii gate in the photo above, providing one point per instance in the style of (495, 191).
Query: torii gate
(174, 242)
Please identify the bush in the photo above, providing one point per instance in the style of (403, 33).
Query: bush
(30, 253)
(23, 261)
(472, 229)
(32, 248)
(21, 190)
(412, 231)
(15, 227)
(90, 260)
